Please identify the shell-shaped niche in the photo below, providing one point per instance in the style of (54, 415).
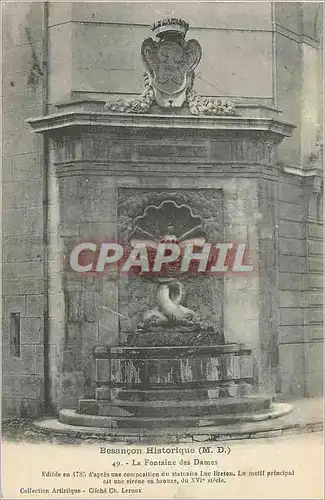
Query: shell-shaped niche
(167, 221)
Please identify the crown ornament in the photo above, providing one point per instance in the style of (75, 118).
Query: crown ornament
(170, 25)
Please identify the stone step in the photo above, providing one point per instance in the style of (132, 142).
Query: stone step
(304, 418)
(174, 408)
(177, 394)
(88, 406)
(71, 417)
(170, 409)
(190, 421)
(103, 408)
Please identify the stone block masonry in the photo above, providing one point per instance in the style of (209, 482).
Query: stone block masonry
(300, 286)
(22, 242)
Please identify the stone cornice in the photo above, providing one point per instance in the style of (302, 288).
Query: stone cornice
(297, 37)
(301, 172)
(213, 171)
(62, 121)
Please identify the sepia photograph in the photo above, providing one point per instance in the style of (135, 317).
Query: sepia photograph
(162, 249)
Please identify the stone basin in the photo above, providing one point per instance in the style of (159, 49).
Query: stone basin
(161, 387)
(226, 368)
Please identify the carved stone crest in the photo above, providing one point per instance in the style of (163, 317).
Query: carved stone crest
(170, 61)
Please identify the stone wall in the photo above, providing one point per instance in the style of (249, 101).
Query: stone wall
(22, 222)
(105, 44)
(297, 75)
(300, 288)
(291, 274)
(313, 287)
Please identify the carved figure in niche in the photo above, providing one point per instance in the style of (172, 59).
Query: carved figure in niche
(170, 295)
(170, 322)
(155, 226)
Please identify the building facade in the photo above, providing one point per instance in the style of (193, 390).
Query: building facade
(265, 57)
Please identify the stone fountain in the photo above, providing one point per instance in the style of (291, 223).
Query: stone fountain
(172, 166)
